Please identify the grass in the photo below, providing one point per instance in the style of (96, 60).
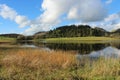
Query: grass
(34, 64)
(6, 39)
(80, 40)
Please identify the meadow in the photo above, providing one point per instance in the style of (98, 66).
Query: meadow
(6, 39)
(35, 64)
(80, 40)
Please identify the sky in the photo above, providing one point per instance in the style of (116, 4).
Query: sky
(30, 16)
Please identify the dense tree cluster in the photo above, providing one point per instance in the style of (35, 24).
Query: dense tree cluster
(75, 31)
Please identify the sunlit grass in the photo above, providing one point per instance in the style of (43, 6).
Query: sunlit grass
(6, 39)
(81, 40)
(34, 64)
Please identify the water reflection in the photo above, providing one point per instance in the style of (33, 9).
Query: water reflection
(28, 46)
(83, 50)
(93, 51)
(108, 52)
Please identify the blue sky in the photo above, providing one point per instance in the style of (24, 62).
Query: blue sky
(28, 17)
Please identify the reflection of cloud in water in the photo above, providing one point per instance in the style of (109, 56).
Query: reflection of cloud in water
(29, 46)
(46, 49)
(109, 52)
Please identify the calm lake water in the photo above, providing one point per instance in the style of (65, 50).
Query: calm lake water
(96, 50)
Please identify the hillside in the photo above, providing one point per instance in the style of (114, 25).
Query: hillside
(115, 33)
(12, 35)
(73, 31)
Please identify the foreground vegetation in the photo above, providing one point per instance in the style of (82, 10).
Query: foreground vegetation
(34, 64)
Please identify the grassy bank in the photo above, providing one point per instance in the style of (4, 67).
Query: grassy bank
(80, 40)
(22, 64)
(6, 39)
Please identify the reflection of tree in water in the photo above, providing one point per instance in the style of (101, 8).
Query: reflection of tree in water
(81, 48)
(116, 45)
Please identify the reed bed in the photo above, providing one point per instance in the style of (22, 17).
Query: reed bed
(35, 64)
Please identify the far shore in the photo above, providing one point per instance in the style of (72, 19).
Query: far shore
(80, 40)
(92, 39)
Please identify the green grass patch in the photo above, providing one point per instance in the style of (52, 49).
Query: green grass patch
(80, 40)
(7, 39)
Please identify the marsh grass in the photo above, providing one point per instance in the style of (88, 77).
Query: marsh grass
(34, 64)
(81, 40)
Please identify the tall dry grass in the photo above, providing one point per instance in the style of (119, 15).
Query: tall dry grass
(38, 58)
(34, 64)
(38, 61)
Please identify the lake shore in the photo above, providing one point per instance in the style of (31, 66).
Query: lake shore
(7, 40)
(79, 40)
(22, 63)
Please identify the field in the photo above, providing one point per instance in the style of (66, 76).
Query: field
(6, 39)
(81, 40)
(34, 64)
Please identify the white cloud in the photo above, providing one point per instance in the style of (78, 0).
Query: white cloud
(112, 17)
(36, 28)
(22, 21)
(55, 11)
(8, 13)
(88, 10)
(116, 26)
(83, 10)
(109, 1)
(112, 22)
(73, 14)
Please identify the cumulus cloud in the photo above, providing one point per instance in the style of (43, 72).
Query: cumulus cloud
(55, 11)
(82, 10)
(88, 11)
(22, 21)
(36, 28)
(112, 17)
(9, 13)
(112, 21)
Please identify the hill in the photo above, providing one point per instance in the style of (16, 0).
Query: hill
(73, 31)
(115, 33)
(12, 35)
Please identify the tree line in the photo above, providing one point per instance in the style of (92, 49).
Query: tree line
(75, 31)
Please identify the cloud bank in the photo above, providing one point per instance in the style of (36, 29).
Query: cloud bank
(56, 12)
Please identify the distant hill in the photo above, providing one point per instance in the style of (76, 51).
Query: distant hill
(40, 33)
(12, 35)
(117, 31)
(73, 31)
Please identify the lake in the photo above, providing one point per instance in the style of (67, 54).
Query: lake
(56, 59)
(94, 50)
